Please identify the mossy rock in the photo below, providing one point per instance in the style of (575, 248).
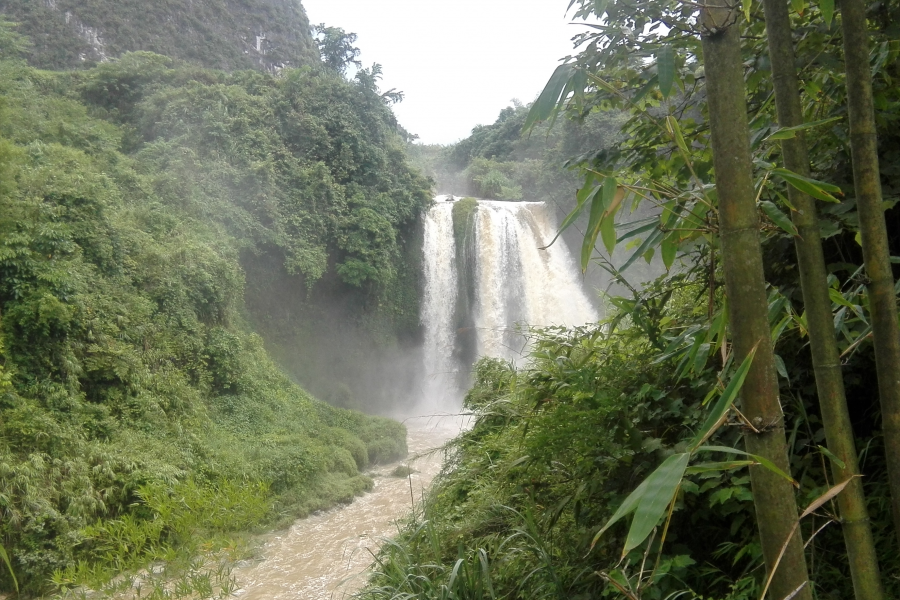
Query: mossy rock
(403, 471)
(463, 213)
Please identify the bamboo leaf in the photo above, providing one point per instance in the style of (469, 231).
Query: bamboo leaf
(717, 415)
(668, 250)
(610, 193)
(665, 69)
(832, 457)
(647, 225)
(593, 230)
(645, 247)
(602, 83)
(827, 8)
(661, 487)
(5, 557)
(551, 98)
(838, 298)
(675, 131)
(702, 357)
(608, 232)
(764, 462)
(779, 329)
(645, 89)
(811, 187)
(786, 133)
(576, 212)
(612, 199)
(778, 217)
(578, 83)
(626, 508)
(798, 6)
(779, 366)
(828, 495)
(719, 466)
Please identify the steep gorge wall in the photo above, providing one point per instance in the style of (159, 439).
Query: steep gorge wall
(221, 34)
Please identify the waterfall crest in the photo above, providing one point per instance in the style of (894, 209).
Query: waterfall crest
(489, 262)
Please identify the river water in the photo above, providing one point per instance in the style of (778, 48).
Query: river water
(327, 555)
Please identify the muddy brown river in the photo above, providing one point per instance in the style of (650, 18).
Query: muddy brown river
(327, 555)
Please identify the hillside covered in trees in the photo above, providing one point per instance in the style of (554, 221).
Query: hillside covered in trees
(166, 230)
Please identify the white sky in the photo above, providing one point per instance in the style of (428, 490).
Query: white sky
(459, 62)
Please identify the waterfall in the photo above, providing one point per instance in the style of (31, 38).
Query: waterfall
(438, 308)
(484, 281)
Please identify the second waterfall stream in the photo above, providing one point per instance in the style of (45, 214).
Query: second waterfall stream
(486, 275)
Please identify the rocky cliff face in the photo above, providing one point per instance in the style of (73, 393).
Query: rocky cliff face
(224, 34)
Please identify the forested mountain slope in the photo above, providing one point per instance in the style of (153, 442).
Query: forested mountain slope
(142, 201)
(223, 34)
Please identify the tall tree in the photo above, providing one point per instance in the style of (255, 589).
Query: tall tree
(336, 47)
(867, 184)
(817, 303)
(773, 497)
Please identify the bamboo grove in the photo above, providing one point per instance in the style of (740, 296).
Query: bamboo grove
(730, 194)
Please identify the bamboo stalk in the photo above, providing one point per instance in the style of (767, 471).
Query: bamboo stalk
(773, 497)
(820, 320)
(867, 184)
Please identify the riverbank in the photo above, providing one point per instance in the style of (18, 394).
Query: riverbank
(328, 553)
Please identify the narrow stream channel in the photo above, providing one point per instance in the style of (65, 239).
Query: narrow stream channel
(327, 555)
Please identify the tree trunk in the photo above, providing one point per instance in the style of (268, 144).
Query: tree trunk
(820, 320)
(867, 184)
(773, 496)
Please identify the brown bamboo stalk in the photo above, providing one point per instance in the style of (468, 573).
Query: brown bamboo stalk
(773, 496)
(867, 184)
(820, 320)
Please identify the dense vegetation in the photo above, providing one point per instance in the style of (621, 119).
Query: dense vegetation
(589, 429)
(142, 201)
(497, 162)
(560, 442)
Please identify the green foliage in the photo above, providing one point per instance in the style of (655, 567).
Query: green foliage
(497, 162)
(491, 179)
(307, 171)
(561, 445)
(556, 446)
(336, 48)
(140, 417)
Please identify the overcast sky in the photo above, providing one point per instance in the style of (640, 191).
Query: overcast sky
(458, 62)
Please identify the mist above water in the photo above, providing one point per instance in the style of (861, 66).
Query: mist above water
(504, 282)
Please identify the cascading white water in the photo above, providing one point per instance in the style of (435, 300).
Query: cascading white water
(438, 307)
(515, 282)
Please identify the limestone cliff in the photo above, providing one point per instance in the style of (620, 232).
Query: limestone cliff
(225, 34)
